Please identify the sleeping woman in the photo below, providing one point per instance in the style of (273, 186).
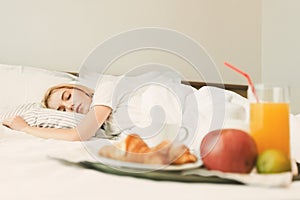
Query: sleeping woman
(127, 105)
(131, 105)
(68, 98)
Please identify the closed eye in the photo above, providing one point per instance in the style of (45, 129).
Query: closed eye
(66, 96)
(69, 96)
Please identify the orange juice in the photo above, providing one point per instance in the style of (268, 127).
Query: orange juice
(269, 126)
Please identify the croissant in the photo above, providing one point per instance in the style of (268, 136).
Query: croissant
(134, 149)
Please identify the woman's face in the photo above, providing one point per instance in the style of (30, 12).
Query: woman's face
(70, 100)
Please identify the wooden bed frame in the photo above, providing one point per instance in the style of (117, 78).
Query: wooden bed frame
(240, 89)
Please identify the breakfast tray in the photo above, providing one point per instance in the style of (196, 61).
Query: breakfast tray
(159, 175)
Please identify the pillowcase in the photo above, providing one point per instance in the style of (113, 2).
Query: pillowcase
(37, 116)
(22, 84)
(20, 110)
(49, 118)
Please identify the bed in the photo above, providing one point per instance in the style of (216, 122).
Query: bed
(30, 170)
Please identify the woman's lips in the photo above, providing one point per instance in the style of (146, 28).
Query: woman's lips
(78, 107)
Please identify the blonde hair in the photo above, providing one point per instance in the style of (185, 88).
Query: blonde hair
(50, 91)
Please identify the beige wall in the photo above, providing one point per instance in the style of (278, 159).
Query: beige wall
(59, 34)
(281, 46)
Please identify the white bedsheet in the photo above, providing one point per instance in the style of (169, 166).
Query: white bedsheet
(28, 173)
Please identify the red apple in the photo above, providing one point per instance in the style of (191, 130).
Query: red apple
(228, 150)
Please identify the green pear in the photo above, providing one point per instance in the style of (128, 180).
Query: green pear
(273, 161)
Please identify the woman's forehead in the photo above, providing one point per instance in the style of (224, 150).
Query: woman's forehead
(55, 97)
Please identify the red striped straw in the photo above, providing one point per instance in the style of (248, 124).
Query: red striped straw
(246, 76)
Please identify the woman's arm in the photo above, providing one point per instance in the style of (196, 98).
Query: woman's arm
(84, 131)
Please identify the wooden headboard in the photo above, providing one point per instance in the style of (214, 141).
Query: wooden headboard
(240, 89)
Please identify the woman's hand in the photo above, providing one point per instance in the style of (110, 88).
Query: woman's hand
(16, 123)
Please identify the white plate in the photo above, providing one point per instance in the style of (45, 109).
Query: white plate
(93, 148)
(146, 167)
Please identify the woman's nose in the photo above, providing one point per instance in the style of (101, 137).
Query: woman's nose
(69, 107)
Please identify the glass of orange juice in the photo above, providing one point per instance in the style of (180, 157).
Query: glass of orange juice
(269, 118)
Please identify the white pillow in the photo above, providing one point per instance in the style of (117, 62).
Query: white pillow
(162, 76)
(19, 110)
(90, 79)
(37, 116)
(48, 118)
(23, 84)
